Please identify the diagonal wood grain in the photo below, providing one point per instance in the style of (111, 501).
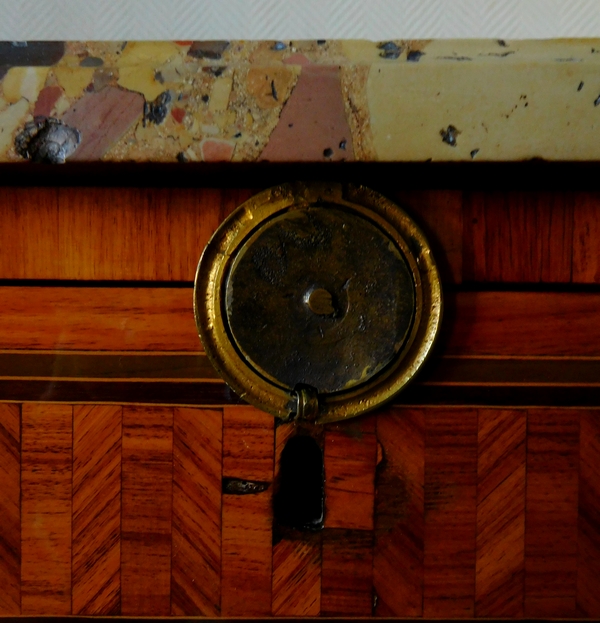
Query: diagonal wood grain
(450, 512)
(499, 589)
(350, 457)
(10, 510)
(400, 514)
(347, 573)
(96, 571)
(297, 576)
(247, 552)
(147, 482)
(588, 556)
(552, 509)
(196, 562)
(46, 496)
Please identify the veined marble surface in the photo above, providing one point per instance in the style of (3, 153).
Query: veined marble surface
(440, 100)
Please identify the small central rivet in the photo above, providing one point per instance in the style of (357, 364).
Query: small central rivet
(320, 302)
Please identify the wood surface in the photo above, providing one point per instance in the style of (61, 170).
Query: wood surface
(400, 514)
(96, 530)
(450, 513)
(552, 510)
(147, 486)
(247, 556)
(10, 510)
(46, 508)
(196, 547)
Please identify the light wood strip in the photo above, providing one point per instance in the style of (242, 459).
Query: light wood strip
(400, 514)
(347, 573)
(97, 435)
(450, 512)
(10, 510)
(586, 238)
(297, 577)
(552, 509)
(146, 511)
(196, 563)
(588, 550)
(350, 457)
(501, 513)
(248, 444)
(46, 497)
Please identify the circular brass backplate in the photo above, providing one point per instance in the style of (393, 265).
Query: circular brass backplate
(320, 286)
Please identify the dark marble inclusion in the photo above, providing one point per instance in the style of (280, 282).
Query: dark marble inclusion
(29, 54)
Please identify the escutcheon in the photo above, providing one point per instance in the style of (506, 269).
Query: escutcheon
(317, 301)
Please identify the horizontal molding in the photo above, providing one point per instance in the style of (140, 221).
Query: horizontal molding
(189, 379)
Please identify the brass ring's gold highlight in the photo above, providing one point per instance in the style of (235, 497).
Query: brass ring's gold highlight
(238, 359)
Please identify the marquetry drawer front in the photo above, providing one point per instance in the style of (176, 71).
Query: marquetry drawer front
(434, 512)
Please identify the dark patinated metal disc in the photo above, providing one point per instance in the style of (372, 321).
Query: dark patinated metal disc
(319, 296)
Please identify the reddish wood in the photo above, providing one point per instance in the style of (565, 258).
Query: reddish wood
(400, 514)
(98, 319)
(196, 564)
(450, 512)
(551, 519)
(350, 457)
(522, 323)
(588, 556)
(518, 237)
(347, 573)
(146, 511)
(10, 510)
(500, 567)
(297, 577)
(29, 233)
(247, 555)
(440, 213)
(248, 444)
(586, 238)
(248, 454)
(46, 494)
(97, 510)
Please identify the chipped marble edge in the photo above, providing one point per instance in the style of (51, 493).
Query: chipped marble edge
(303, 101)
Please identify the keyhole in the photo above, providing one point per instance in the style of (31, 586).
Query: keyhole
(299, 503)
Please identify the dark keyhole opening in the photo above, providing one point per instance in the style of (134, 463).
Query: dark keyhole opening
(299, 503)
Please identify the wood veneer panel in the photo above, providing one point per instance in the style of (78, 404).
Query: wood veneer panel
(196, 563)
(296, 587)
(440, 212)
(400, 514)
(501, 513)
(450, 512)
(109, 233)
(297, 576)
(248, 454)
(98, 319)
(350, 458)
(46, 496)
(147, 468)
(588, 557)
(517, 237)
(10, 510)
(29, 233)
(97, 432)
(586, 238)
(347, 573)
(523, 323)
(552, 509)
(161, 319)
